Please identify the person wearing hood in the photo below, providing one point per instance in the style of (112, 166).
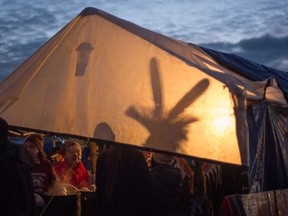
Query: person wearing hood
(43, 173)
(170, 196)
(16, 186)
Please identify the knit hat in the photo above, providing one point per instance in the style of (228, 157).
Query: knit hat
(162, 158)
(37, 140)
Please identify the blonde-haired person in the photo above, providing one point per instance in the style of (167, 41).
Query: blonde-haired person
(43, 172)
(71, 170)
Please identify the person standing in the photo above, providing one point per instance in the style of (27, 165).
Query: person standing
(170, 194)
(123, 182)
(43, 173)
(16, 186)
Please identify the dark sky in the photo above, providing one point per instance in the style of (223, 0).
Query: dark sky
(254, 29)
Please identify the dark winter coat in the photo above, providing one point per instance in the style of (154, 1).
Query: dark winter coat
(123, 182)
(170, 194)
(16, 187)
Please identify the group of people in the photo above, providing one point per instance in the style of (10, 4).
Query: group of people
(28, 174)
(50, 179)
(125, 183)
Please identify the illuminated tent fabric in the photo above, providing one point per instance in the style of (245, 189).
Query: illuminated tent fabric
(101, 77)
(250, 70)
(267, 123)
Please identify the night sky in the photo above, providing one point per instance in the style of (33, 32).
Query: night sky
(254, 29)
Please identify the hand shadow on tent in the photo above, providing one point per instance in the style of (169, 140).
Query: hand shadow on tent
(167, 128)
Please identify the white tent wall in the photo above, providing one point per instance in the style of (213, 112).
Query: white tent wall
(152, 91)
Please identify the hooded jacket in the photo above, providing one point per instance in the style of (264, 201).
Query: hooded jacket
(170, 194)
(16, 186)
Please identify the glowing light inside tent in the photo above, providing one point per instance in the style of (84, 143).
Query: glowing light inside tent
(214, 134)
(220, 124)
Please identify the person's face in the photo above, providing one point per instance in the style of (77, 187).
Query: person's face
(58, 158)
(73, 155)
(32, 149)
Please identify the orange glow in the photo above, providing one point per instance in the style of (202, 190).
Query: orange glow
(221, 124)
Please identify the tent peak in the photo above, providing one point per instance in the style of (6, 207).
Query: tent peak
(90, 11)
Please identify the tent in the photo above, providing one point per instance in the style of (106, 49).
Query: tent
(267, 124)
(104, 78)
